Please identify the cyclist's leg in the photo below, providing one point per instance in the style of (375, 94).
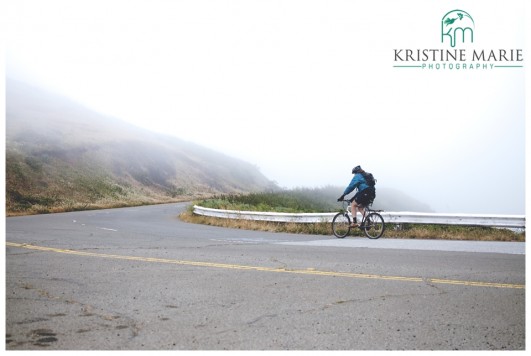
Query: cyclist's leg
(356, 206)
(360, 201)
(361, 208)
(353, 206)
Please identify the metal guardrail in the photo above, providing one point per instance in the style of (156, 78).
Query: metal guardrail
(509, 221)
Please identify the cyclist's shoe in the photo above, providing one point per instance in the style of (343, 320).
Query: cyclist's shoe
(354, 224)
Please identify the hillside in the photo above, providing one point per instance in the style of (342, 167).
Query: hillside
(61, 156)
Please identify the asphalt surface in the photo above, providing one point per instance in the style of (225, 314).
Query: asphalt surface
(140, 279)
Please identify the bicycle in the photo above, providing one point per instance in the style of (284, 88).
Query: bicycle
(372, 223)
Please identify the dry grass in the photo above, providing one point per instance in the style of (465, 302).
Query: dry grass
(447, 232)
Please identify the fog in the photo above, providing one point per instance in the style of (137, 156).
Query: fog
(305, 90)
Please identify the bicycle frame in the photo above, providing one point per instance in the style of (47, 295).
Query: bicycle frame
(366, 209)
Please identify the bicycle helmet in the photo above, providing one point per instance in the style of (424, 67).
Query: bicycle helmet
(356, 169)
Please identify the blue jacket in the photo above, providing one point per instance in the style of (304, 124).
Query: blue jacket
(357, 182)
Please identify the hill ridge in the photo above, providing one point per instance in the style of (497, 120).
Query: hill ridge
(62, 156)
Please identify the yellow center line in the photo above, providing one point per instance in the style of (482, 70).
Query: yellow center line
(269, 269)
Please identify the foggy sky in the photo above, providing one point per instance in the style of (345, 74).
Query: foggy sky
(303, 89)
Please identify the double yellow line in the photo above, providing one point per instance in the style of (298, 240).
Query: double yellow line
(268, 269)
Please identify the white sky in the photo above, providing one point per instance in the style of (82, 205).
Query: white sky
(303, 89)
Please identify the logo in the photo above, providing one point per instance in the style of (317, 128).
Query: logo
(457, 33)
(457, 25)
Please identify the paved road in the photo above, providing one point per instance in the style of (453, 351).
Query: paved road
(138, 278)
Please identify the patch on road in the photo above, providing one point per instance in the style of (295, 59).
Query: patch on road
(513, 248)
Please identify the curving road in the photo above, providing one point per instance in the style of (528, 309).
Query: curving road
(139, 278)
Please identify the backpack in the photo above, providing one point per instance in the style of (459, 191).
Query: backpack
(369, 179)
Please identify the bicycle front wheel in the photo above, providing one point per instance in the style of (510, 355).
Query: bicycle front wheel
(374, 226)
(341, 225)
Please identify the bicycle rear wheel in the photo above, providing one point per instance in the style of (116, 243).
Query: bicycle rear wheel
(341, 225)
(374, 226)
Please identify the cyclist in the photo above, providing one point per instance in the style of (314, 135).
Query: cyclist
(364, 195)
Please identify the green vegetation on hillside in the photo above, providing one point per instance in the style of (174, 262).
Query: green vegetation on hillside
(298, 200)
(37, 186)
